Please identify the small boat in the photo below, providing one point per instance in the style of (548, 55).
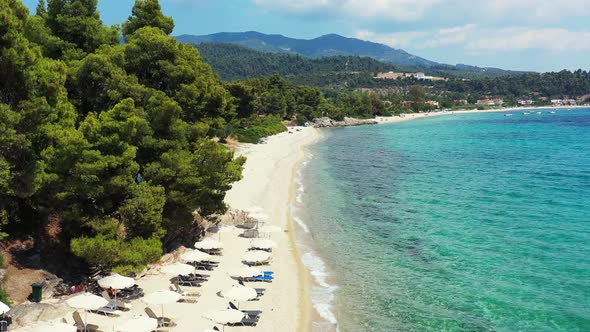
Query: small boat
(539, 112)
(526, 113)
(509, 114)
(552, 112)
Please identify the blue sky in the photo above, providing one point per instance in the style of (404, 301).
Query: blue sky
(539, 35)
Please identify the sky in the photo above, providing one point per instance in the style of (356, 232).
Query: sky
(535, 35)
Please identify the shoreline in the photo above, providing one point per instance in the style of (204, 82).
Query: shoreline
(416, 116)
(270, 182)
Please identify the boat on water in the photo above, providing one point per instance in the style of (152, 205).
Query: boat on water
(552, 112)
(539, 112)
(526, 113)
(509, 114)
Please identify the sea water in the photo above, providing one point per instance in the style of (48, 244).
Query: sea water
(464, 222)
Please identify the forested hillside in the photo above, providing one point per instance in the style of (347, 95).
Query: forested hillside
(234, 62)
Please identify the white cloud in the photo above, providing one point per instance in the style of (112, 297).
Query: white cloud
(401, 10)
(416, 10)
(475, 39)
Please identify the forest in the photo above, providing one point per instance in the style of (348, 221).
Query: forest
(234, 62)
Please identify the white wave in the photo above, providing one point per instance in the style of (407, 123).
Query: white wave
(322, 295)
(300, 222)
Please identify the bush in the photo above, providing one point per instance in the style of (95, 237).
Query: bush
(116, 253)
(255, 128)
(4, 297)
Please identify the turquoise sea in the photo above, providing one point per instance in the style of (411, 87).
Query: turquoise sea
(465, 222)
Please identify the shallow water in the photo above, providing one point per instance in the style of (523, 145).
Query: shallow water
(473, 222)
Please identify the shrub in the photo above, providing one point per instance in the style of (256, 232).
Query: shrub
(255, 128)
(4, 297)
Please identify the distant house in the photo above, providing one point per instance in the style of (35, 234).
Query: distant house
(563, 102)
(432, 103)
(420, 76)
(491, 102)
(460, 101)
(525, 102)
(407, 104)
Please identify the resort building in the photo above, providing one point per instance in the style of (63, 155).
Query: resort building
(525, 102)
(432, 103)
(491, 102)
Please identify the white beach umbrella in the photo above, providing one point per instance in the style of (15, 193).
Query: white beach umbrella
(263, 244)
(139, 324)
(256, 256)
(161, 298)
(239, 293)
(227, 316)
(116, 281)
(48, 326)
(209, 244)
(3, 308)
(196, 256)
(177, 269)
(245, 272)
(86, 301)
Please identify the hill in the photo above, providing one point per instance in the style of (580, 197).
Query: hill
(328, 45)
(235, 62)
(336, 45)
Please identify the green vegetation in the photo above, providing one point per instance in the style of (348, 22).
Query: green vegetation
(235, 62)
(257, 127)
(113, 140)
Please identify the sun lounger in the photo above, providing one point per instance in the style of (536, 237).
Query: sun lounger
(249, 313)
(162, 321)
(118, 305)
(81, 326)
(260, 278)
(182, 292)
(190, 282)
(246, 322)
(107, 311)
(268, 273)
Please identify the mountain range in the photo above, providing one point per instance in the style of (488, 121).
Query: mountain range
(336, 45)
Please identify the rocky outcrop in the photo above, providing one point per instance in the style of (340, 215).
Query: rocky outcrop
(326, 122)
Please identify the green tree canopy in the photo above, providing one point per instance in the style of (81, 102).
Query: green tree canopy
(147, 13)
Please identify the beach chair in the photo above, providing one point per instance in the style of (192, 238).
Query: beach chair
(107, 311)
(184, 281)
(259, 292)
(182, 292)
(246, 321)
(81, 326)
(119, 305)
(162, 321)
(260, 278)
(249, 313)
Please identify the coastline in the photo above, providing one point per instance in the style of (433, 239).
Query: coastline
(269, 182)
(416, 116)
